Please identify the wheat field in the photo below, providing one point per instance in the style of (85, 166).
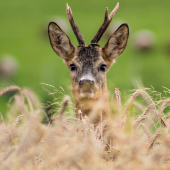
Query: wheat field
(138, 133)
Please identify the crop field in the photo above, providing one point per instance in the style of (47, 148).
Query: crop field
(38, 128)
(137, 137)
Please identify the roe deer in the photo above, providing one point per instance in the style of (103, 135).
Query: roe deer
(88, 64)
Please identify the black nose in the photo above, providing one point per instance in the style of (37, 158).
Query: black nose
(85, 82)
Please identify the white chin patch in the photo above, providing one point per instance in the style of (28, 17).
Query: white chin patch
(88, 95)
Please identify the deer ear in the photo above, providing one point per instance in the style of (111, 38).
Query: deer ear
(59, 41)
(116, 43)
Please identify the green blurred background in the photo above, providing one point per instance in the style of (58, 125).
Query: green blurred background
(23, 35)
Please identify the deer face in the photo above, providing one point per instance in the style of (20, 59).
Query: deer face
(88, 64)
(88, 72)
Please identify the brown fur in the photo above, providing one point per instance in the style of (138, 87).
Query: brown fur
(87, 68)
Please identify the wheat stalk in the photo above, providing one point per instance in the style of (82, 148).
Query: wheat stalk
(142, 116)
(118, 98)
(10, 89)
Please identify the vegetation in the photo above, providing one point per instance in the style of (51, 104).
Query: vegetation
(48, 136)
(139, 133)
(23, 35)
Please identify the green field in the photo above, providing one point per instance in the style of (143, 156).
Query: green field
(23, 30)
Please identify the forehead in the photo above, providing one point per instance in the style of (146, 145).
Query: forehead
(88, 54)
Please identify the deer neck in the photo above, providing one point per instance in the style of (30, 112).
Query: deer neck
(87, 105)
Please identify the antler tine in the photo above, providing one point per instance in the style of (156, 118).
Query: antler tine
(105, 24)
(75, 27)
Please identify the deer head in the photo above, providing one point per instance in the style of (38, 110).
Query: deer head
(88, 64)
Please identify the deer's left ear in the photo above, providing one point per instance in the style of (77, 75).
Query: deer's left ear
(116, 43)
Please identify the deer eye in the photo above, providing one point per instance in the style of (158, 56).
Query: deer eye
(72, 67)
(103, 67)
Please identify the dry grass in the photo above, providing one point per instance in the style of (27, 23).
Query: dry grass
(139, 142)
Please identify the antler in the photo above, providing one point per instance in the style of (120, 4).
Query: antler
(75, 27)
(105, 24)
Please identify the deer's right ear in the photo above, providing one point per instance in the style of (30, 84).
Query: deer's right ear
(59, 41)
